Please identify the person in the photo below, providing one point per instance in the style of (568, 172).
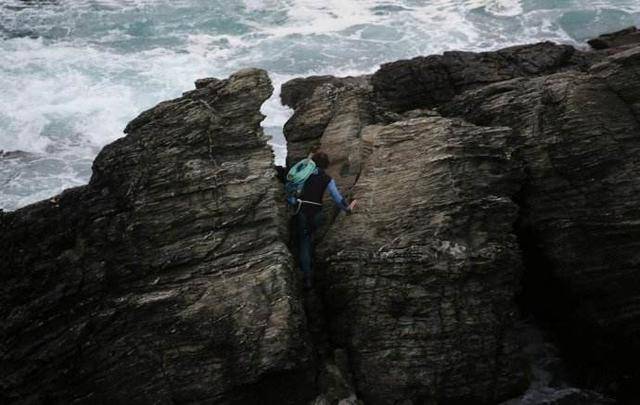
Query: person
(309, 211)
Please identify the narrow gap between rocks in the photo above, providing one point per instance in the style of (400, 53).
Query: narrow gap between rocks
(334, 378)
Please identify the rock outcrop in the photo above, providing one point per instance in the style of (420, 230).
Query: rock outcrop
(426, 82)
(577, 136)
(626, 38)
(423, 278)
(166, 279)
(328, 112)
(551, 162)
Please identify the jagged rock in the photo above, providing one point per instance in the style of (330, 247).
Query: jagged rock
(166, 279)
(331, 117)
(419, 282)
(574, 116)
(576, 135)
(429, 81)
(300, 90)
(620, 72)
(619, 39)
(204, 82)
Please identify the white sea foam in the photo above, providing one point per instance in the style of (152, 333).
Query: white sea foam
(504, 8)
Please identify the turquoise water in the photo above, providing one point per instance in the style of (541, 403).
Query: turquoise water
(74, 72)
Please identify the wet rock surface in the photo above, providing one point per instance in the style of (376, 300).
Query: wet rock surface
(420, 282)
(166, 279)
(628, 37)
(577, 137)
(565, 124)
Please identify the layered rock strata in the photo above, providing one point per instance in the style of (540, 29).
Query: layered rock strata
(420, 282)
(429, 81)
(577, 136)
(166, 279)
(569, 122)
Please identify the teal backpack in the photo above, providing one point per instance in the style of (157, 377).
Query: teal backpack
(296, 178)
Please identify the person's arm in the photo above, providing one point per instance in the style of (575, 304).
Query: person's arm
(337, 197)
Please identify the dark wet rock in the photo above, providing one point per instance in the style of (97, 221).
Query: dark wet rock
(425, 82)
(619, 39)
(335, 381)
(620, 73)
(166, 279)
(300, 89)
(200, 83)
(548, 372)
(562, 396)
(576, 134)
(557, 132)
(420, 281)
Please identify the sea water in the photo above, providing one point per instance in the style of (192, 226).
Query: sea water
(74, 72)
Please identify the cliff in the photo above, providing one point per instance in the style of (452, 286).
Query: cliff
(493, 187)
(165, 279)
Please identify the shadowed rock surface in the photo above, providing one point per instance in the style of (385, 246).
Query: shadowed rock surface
(166, 279)
(628, 37)
(577, 136)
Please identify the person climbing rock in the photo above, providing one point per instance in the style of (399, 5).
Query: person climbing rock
(306, 184)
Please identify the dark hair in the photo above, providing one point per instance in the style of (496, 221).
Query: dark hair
(321, 159)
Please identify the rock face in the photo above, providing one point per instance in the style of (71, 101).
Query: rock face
(553, 164)
(577, 136)
(420, 282)
(166, 279)
(422, 279)
(329, 113)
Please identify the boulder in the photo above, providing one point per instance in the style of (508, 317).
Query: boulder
(166, 279)
(627, 37)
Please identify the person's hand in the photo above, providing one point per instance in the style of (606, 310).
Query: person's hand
(352, 205)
